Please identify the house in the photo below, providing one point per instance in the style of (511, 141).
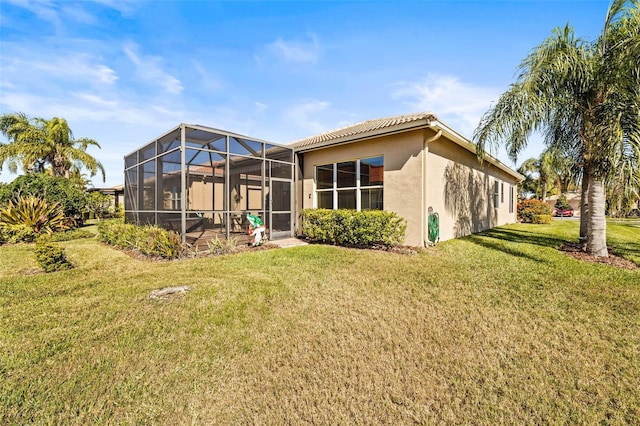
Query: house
(116, 194)
(414, 165)
(202, 181)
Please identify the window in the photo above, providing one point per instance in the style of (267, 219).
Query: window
(510, 198)
(496, 194)
(351, 184)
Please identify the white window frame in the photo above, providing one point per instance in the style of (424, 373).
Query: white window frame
(335, 190)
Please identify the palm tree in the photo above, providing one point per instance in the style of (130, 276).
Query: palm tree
(585, 99)
(551, 169)
(35, 142)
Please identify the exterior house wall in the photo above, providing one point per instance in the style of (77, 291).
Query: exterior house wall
(402, 171)
(461, 190)
(457, 186)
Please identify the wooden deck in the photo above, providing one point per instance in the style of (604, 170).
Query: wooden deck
(199, 239)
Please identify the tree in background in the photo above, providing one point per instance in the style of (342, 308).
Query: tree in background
(585, 98)
(98, 204)
(34, 143)
(552, 173)
(52, 189)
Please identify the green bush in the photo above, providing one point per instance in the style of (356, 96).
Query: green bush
(16, 234)
(220, 246)
(541, 219)
(72, 234)
(148, 240)
(98, 204)
(51, 258)
(353, 228)
(52, 189)
(117, 212)
(562, 203)
(528, 208)
(33, 213)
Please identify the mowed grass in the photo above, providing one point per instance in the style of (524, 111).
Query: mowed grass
(497, 327)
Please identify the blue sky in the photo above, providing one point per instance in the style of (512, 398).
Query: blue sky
(124, 72)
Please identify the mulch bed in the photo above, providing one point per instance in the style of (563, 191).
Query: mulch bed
(137, 255)
(575, 250)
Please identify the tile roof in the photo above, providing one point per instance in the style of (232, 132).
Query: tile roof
(370, 126)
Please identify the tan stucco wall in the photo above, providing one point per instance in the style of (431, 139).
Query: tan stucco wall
(457, 186)
(205, 196)
(402, 171)
(460, 190)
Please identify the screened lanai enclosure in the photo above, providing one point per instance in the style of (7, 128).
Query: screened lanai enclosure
(202, 182)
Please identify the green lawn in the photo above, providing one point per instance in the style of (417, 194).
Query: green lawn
(498, 327)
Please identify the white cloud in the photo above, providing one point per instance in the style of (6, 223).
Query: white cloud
(296, 51)
(260, 107)
(43, 9)
(78, 14)
(306, 115)
(150, 68)
(64, 66)
(96, 100)
(207, 81)
(58, 14)
(455, 102)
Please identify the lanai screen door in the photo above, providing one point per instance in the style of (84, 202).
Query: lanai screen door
(280, 215)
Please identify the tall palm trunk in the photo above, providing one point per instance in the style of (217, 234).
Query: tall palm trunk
(597, 226)
(584, 207)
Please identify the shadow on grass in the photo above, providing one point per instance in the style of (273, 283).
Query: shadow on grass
(507, 235)
(522, 236)
(627, 250)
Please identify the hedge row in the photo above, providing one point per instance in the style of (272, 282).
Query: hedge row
(353, 228)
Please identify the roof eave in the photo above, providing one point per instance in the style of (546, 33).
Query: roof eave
(385, 131)
(465, 143)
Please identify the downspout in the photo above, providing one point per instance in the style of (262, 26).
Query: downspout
(423, 208)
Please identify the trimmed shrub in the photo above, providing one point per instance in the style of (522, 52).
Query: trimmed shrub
(353, 228)
(51, 258)
(528, 208)
(541, 219)
(148, 240)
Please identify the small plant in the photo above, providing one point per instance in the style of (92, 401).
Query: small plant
(51, 258)
(528, 208)
(117, 212)
(220, 246)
